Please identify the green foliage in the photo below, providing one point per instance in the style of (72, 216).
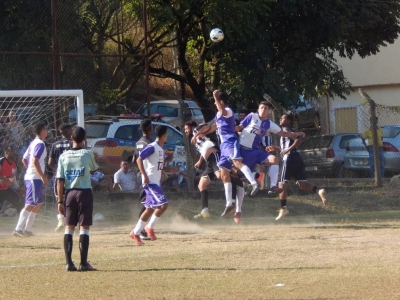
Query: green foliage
(106, 95)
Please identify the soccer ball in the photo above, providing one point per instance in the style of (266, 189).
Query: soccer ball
(216, 35)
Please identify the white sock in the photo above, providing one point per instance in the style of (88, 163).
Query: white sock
(204, 210)
(69, 231)
(153, 221)
(29, 221)
(239, 198)
(60, 217)
(84, 231)
(23, 216)
(249, 175)
(139, 227)
(228, 193)
(273, 175)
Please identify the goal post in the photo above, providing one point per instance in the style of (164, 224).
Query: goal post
(20, 110)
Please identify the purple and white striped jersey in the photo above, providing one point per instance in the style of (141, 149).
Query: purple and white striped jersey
(37, 149)
(254, 129)
(226, 126)
(153, 162)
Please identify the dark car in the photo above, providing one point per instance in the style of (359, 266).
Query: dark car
(323, 155)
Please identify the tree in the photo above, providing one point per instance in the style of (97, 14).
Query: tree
(280, 47)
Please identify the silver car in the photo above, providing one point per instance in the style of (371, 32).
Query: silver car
(356, 158)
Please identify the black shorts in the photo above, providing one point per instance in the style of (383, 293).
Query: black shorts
(293, 167)
(79, 207)
(211, 165)
(142, 195)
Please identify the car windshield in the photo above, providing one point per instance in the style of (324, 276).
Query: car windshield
(316, 142)
(390, 132)
(96, 130)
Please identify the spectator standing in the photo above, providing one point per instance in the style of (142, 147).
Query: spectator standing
(8, 170)
(73, 176)
(368, 135)
(124, 178)
(15, 133)
(57, 149)
(33, 160)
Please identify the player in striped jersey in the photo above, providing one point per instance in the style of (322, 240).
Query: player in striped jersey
(57, 149)
(293, 166)
(150, 163)
(210, 154)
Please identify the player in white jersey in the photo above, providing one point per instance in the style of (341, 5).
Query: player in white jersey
(150, 163)
(33, 160)
(76, 204)
(293, 166)
(253, 128)
(229, 147)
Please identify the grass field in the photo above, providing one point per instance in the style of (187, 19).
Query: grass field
(348, 250)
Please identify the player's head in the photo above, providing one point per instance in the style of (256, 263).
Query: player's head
(189, 126)
(146, 126)
(161, 133)
(242, 115)
(9, 152)
(223, 97)
(263, 109)
(40, 130)
(286, 120)
(78, 134)
(65, 130)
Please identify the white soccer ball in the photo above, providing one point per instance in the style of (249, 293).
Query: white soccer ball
(216, 35)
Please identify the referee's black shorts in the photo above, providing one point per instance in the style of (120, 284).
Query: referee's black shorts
(79, 207)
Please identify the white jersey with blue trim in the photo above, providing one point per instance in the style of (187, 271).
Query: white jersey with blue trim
(254, 129)
(153, 162)
(37, 149)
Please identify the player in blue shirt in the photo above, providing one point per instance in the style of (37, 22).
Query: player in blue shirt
(230, 152)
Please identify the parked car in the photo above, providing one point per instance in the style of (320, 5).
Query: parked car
(323, 155)
(356, 159)
(171, 111)
(114, 140)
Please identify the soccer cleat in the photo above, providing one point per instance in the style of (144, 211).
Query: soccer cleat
(254, 189)
(60, 226)
(260, 180)
(322, 194)
(282, 212)
(228, 210)
(70, 267)
(237, 217)
(86, 267)
(150, 233)
(28, 233)
(276, 189)
(18, 233)
(136, 238)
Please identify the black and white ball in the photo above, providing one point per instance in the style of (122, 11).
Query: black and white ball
(216, 35)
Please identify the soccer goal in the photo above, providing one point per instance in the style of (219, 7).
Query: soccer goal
(20, 110)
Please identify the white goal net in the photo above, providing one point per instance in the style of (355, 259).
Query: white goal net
(19, 112)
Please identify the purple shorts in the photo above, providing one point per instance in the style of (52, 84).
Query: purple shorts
(154, 196)
(253, 157)
(33, 193)
(229, 151)
(79, 207)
